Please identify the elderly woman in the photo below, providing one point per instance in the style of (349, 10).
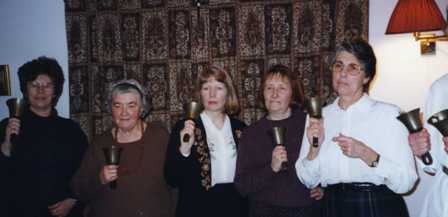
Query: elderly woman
(363, 159)
(141, 188)
(47, 149)
(203, 167)
(273, 191)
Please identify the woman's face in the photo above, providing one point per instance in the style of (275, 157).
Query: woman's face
(126, 109)
(348, 75)
(213, 95)
(277, 92)
(40, 93)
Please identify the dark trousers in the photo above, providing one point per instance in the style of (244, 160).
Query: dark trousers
(362, 200)
(261, 209)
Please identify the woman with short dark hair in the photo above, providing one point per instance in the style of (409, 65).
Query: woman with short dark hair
(362, 160)
(47, 149)
(265, 171)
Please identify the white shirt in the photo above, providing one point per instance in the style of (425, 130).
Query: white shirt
(436, 201)
(374, 123)
(222, 149)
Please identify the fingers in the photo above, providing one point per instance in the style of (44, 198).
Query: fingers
(189, 127)
(445, 142)
(316, 193)
(419, 142)
(109, 173)
(279, 155)
(13, 127)
(315, 129)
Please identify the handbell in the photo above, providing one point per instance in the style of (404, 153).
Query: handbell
(112, 156)
(279, 135)
(193, 109)
(414, 124)
(314, 107)
(15, 107)
(440, 121)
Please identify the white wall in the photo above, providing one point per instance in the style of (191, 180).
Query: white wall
(34, 28)
(30, 29)
(403, 75)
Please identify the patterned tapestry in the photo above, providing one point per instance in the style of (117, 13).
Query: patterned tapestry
(164, 43)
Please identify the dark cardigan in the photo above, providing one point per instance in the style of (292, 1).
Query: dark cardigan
(192, 176)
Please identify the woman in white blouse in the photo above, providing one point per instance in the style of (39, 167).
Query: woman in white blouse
(203, 168)
(363, 159)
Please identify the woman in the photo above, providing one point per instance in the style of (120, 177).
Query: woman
(47, 148)
(430, 139)
(203, 167)
(141, 188)
(273, 191)
(362, 159)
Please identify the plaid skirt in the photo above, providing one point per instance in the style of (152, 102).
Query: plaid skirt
(362, 200)
(262, 209)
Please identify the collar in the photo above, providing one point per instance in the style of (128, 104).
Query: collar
(363, 104)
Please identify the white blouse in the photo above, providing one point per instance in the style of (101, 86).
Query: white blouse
(374, 123)
(222, 148)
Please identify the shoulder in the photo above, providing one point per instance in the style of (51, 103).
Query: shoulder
(440, 83)
(237, 123)
(385, 109)
(156, 127)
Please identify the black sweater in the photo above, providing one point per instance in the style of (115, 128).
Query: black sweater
(46, 154)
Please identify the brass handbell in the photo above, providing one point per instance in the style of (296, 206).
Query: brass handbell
(193, 109)
(414, 124)
(440, 121)
(314, 107)
(112, 156)
(279, 134)
(15, 107)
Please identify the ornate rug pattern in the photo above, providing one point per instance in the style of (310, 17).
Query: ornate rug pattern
(164, 43)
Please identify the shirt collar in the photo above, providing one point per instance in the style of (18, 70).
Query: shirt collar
(364, 103)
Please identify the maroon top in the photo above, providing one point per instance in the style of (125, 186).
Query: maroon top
(254, 175)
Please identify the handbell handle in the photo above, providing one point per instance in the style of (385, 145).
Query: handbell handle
(427, 158)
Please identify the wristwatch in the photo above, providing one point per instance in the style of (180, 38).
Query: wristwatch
(375, 162)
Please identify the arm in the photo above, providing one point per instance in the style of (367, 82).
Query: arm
(396, 165)
(176, 165)
(308, 164)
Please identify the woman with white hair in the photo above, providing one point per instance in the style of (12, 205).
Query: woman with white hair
(141, 188)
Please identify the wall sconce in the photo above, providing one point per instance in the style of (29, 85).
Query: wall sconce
(418, 16)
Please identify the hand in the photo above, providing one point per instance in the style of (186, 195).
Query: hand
(445, 142)
(108, 174)
(13, 127)
(315, 129)
(62, 208)
(317, 193)
(419, 142)
(185, 147)
(350, 146)
(279, 156)
(355, 149)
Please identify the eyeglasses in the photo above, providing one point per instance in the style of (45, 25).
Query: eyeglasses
(37, 85)
(351, 69)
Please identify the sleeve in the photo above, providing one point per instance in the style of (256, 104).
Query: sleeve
(251, 178)
(80, 144)
(308, 170)
(177, 166)
(396, 164)
(435, 102)
(86, 184)
(4, 160)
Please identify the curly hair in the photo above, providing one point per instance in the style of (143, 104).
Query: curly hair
(43, 65)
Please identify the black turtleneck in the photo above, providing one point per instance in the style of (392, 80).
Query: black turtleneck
(46, 154)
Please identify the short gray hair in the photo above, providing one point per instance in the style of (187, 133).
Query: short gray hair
(126, 86)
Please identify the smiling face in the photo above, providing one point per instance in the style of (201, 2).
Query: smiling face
(126, 109)
(349, 77)
(277, 92)
(213, 95)
(40, 93)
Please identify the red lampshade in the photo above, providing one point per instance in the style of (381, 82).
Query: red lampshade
(415, 16)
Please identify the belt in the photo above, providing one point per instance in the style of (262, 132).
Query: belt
(356, 186)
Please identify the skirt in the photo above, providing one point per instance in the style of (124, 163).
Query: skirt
(362, 200)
